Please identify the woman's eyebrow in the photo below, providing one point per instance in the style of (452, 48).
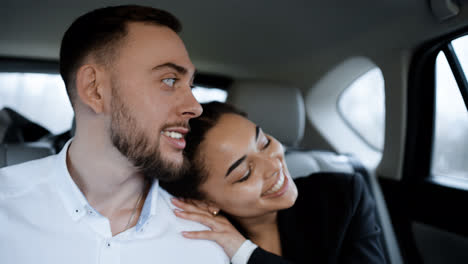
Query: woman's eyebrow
(235, 164)
(257, 131)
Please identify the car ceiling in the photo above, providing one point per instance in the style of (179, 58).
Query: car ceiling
(291, 41)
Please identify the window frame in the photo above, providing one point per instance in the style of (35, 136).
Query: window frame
(425, 195)
(460, 77)
(457, 69)
(420, 132)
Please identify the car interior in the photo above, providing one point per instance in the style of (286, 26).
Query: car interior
(372, 87)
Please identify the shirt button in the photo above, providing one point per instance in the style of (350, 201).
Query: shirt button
(108, 244)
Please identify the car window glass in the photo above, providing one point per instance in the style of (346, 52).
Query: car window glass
(450, 153)
(205, 95)
(41, 98)
(362, 106)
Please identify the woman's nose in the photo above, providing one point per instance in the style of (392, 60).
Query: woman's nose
(273, 166)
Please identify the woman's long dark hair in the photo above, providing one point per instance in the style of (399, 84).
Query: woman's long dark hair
(188, 185)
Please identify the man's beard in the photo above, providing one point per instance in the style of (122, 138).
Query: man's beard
(133, 143)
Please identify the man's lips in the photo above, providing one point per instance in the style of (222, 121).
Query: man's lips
(176, 136)
(179, 129)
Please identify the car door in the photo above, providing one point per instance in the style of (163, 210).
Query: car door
(429, 205)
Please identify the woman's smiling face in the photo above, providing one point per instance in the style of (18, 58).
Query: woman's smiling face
(246, 171)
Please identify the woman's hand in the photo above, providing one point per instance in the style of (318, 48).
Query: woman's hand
(222, 231)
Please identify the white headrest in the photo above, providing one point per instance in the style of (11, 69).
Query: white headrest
(301, 165)
(277, 108)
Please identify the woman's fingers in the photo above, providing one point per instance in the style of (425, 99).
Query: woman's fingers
(206, 234)
(197, 203)
(189, 207)
(208, 221)
(230, 242)
(222, 231)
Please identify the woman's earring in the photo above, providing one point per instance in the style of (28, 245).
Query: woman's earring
(215, 213)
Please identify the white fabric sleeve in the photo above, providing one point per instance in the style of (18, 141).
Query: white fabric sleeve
(243, 253)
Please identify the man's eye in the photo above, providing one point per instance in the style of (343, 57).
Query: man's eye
(169, 81)
(245, 177)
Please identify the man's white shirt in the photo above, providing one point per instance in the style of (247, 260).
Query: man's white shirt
(45, 218)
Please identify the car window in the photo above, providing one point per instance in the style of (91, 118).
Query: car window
(362, 106)
(42, 98)
(205, 95)
(450, 153)
(460, 46)
(39, 97)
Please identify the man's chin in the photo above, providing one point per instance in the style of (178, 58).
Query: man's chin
(173, 160)
(169, 170)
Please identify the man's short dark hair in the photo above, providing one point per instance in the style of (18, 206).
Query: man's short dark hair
(99, 32)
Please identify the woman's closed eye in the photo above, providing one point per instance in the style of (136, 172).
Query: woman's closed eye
(267, 143)
(247, 174)
(245, 177)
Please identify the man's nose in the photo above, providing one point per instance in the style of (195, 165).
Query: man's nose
(189, 107)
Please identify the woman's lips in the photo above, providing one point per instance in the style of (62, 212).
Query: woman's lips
(280, 186)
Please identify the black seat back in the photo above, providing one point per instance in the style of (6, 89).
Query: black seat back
(11, 154)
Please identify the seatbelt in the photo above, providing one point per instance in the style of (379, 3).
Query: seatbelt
(392, 251)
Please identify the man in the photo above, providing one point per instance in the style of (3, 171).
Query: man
(129, 77)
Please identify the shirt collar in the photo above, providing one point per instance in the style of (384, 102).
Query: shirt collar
(76, 203)
(74, 200)
(149, 207)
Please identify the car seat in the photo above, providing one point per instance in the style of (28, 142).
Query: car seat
(279, 109)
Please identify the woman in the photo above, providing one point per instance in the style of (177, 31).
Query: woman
(239, 186)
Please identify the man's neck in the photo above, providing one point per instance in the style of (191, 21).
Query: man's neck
(106, 178)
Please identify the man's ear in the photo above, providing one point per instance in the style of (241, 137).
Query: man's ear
(90, 88)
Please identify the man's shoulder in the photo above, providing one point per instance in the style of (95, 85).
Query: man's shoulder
(178, 223)
(19, 179)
